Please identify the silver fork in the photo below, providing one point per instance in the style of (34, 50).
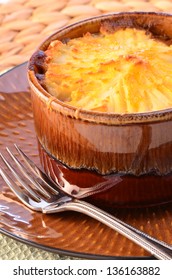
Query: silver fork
(40, 193)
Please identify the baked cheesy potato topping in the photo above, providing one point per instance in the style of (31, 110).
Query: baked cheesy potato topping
(124, 71)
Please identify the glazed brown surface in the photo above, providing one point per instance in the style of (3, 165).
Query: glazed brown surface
(135, 149)
(112, 191)
(65, 233)
(123, 144)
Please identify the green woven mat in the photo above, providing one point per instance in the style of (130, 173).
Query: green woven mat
(11, 249)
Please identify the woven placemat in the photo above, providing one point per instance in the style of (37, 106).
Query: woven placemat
(24, 24)
(11, 249)
(14, 250)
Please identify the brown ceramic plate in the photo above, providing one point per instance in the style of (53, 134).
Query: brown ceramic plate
(67, 233)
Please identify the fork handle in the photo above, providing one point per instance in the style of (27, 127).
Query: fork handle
(157, 248)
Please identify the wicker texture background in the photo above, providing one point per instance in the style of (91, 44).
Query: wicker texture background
(14, 250)
(23, 25)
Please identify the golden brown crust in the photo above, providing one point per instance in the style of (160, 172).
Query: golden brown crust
(120, 70)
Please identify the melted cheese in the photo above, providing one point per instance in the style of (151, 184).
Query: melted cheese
(125, 71)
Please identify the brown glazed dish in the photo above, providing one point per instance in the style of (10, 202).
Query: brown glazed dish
(126, 156)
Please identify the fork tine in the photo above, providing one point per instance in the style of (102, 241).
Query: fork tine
(16, 189)
(41, 175)
(30, 191)
(30, 178)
